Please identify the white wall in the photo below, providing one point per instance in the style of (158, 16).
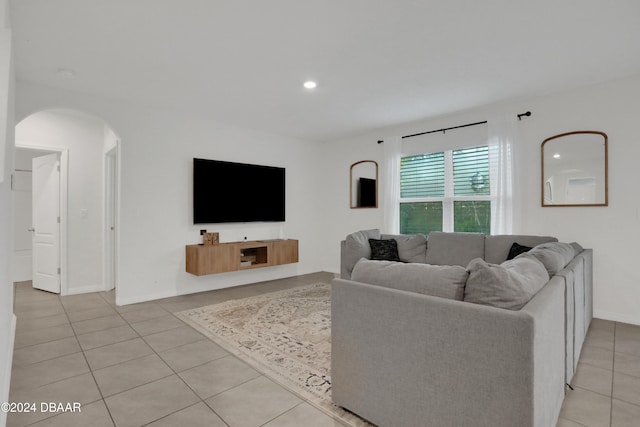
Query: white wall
(83, 137)
(156, 153)
(613, 232)
(7, 318)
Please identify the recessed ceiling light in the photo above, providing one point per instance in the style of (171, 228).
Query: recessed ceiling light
(310, 84)
(556, 156)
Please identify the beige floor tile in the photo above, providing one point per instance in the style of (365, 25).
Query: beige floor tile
(563, 422)
(625, 414)
(133, 373)
(46, 372)
(599, 338)
(45, 351)
(194, 354)
(627, 364)
(147, 403)
(113, 354)
(253, 403)
(173, 338)
(626, 388)
(81, 389)
(198, 415)
(308, 416)
(597, 356)
(593, 378)
(135, 307)
(98, 324)
(159, 324)
(587, 408)
(151, 312)
(627, 344)
(106, 337)
(218, 376)
(92, 313)
(39, 336)
(27, 324)
(83, 304)
(94, 414)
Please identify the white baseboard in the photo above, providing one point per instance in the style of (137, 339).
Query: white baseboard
(616, 317)
(4, 393)
(148, 297)
(85, 289)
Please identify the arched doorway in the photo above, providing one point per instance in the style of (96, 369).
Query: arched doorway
(88, 155)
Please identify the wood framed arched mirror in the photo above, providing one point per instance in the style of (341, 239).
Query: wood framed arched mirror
(575, 169)
(363, 185)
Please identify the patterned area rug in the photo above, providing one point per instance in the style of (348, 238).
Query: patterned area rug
(286, 335)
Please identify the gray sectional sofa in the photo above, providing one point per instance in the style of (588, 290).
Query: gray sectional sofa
(409, 348)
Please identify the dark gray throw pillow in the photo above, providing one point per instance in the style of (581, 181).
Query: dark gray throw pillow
(517, 249)
(384, 250)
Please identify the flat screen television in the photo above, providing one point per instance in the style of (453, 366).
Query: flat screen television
(237, 192)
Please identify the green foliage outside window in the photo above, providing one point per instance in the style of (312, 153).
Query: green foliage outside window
(472, 216)
(420, 217)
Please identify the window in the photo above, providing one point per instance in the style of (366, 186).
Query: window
(445, 191)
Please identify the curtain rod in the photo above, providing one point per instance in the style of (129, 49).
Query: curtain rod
(527, 114)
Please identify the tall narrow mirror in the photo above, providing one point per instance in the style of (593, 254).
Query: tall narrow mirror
(574, 169)
(364, 184)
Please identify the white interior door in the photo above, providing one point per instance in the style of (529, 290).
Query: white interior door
(46, 223)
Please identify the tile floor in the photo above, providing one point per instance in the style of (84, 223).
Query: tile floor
(139, 365)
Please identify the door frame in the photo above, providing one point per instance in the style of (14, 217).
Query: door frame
(64, 179)
(111, 182)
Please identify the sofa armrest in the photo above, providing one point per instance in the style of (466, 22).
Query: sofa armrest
(400, 358)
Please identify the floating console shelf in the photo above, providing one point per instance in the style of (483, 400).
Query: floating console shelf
(235, 256)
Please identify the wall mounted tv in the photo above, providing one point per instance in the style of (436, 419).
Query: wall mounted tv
(237, 192)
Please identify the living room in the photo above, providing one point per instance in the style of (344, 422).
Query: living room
(159, 139)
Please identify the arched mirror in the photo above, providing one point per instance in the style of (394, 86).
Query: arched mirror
(364, 184)
(574, 169)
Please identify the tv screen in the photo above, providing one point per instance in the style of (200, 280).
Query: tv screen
(237, 192)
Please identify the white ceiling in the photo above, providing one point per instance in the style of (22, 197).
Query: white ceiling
(377, 62)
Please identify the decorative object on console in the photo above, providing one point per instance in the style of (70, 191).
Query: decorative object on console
(209, 239)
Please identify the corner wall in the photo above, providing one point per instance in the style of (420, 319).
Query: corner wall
(7, 318)
(612, 231)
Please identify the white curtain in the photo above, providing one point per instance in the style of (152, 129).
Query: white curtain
(503, 140)
(391, 184)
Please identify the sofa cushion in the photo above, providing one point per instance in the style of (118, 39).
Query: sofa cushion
(454, 248)
(554, 255)
(496, 247)
(508, 285)
(411, 248)
(357, 245)
(445, 281)
(517, 249)
(384, 249)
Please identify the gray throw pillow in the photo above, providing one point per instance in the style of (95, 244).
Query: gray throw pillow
(357, 245)
(445, 281)
(509, 285)
(554, 255)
